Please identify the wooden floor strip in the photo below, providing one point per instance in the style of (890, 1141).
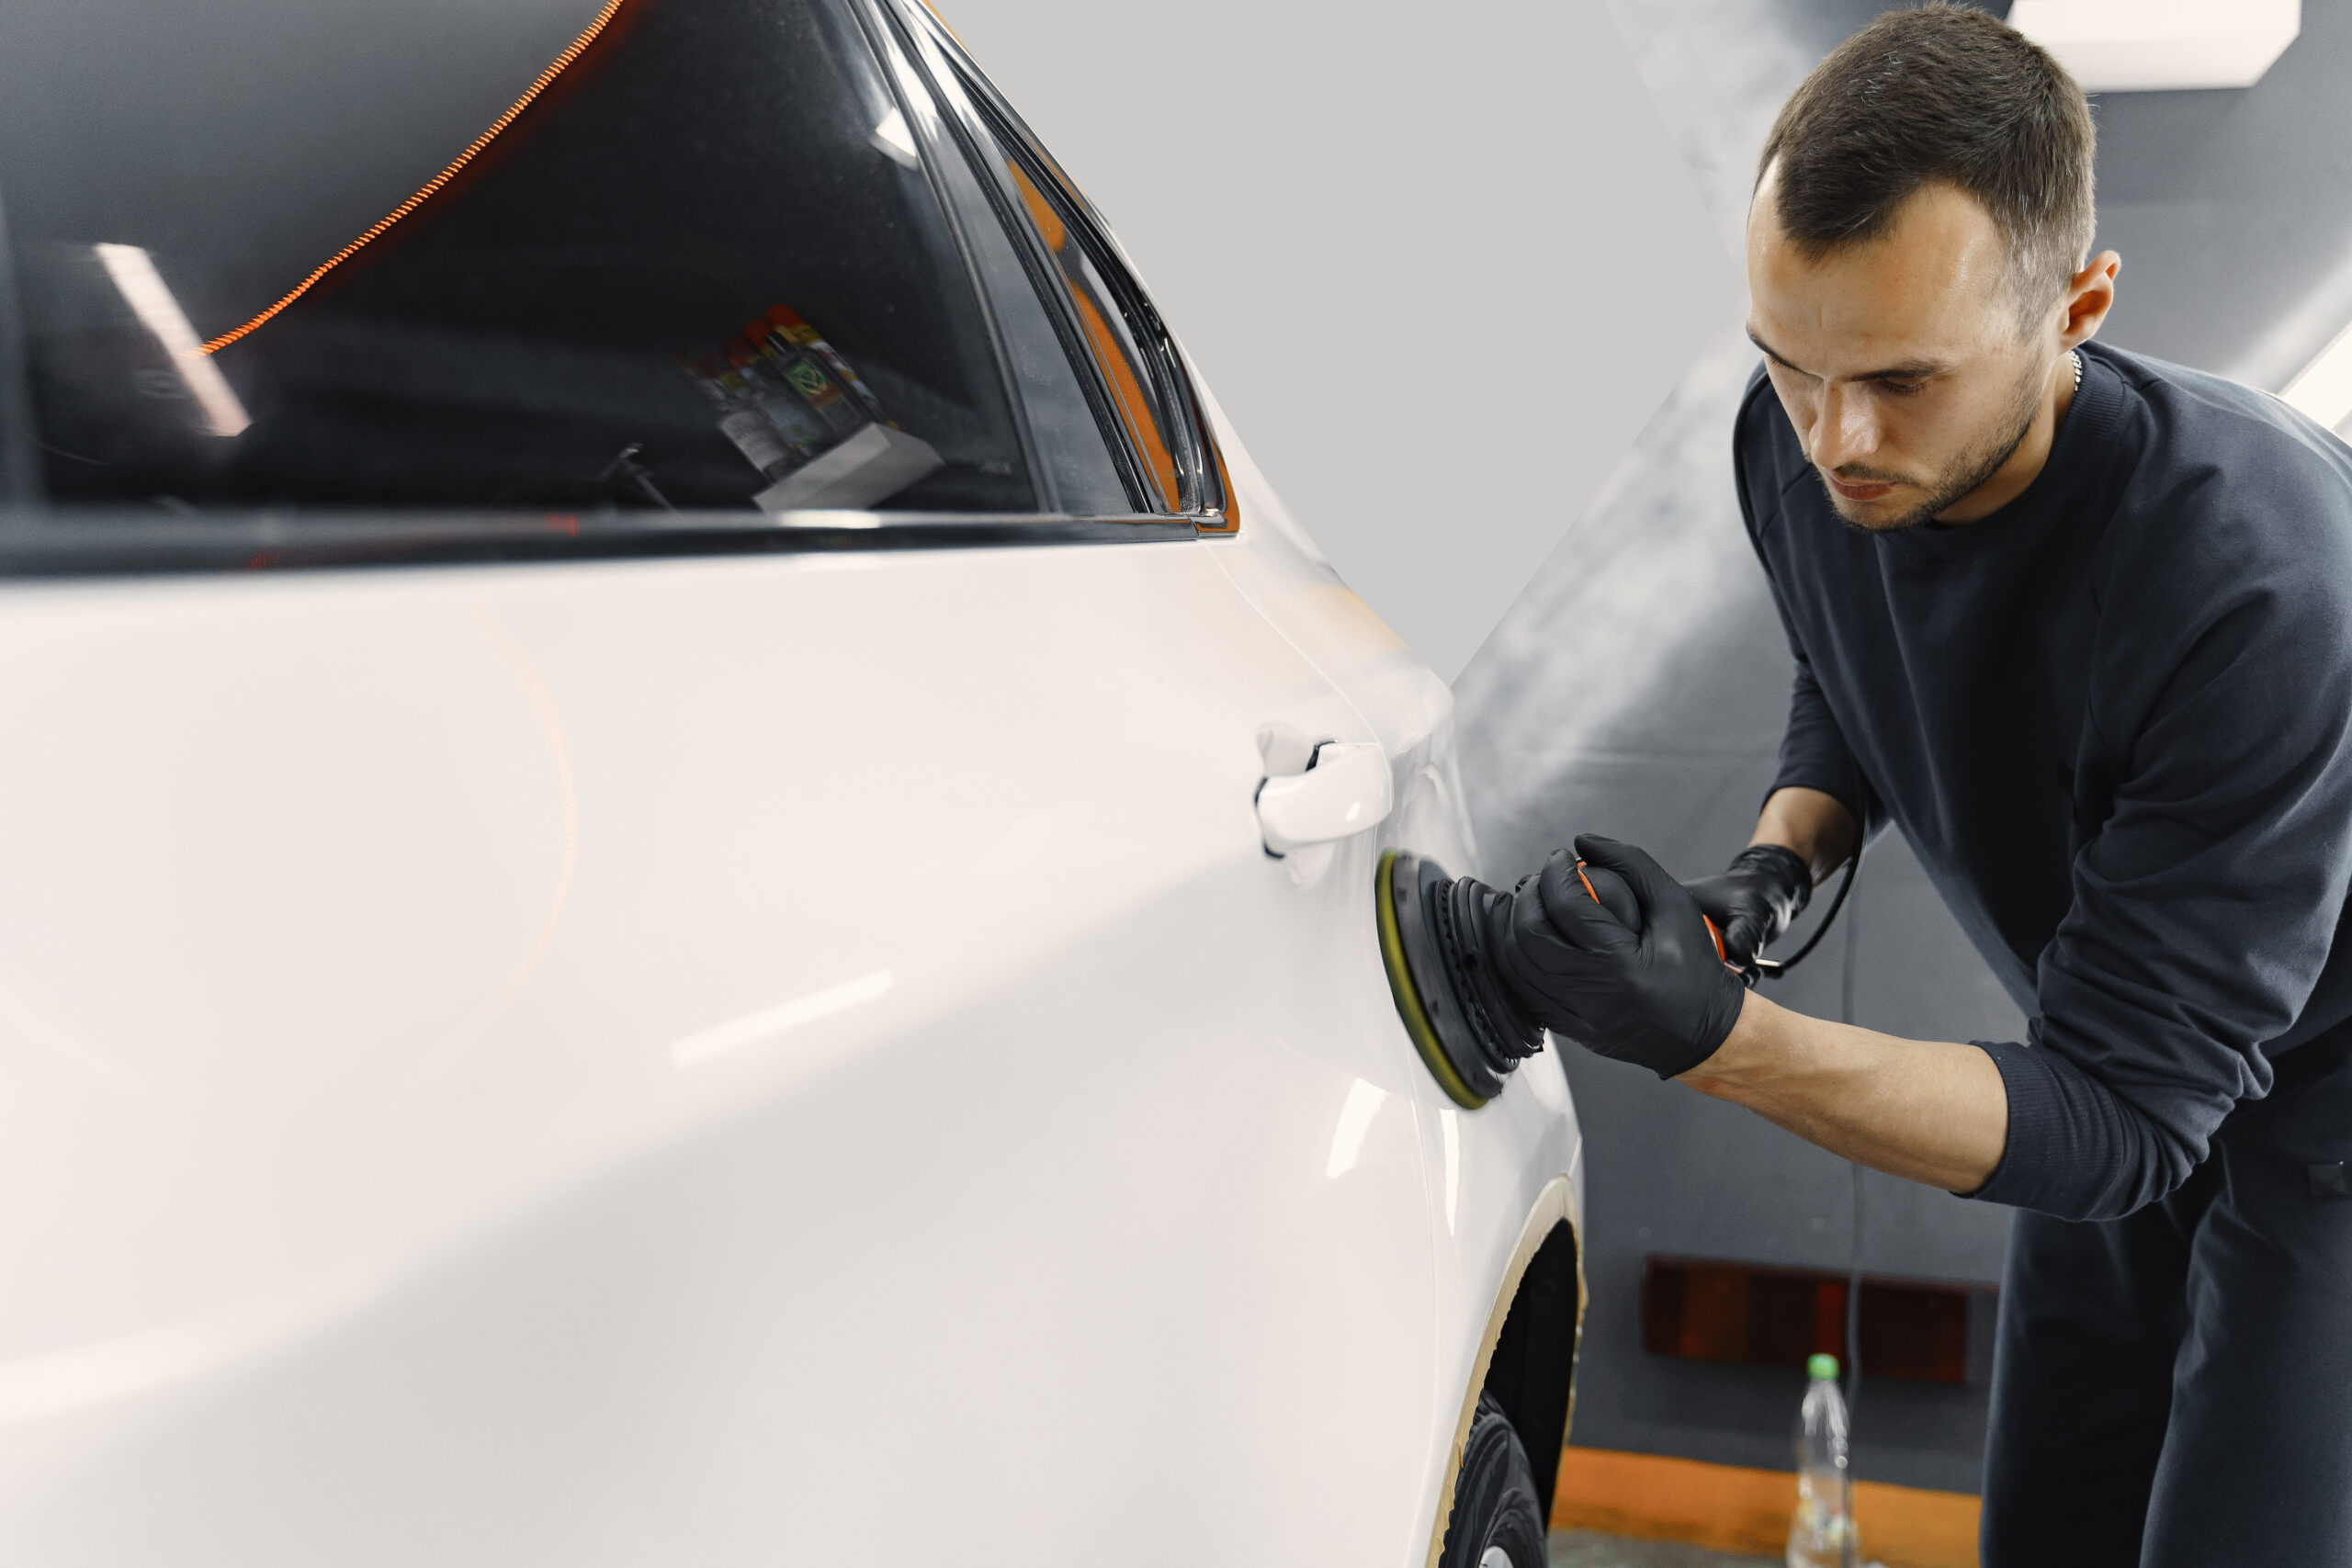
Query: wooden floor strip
(1727, 1508)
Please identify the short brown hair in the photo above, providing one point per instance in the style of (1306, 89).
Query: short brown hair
(1941, 93)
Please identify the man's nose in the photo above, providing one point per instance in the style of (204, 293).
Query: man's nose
(1845, 429)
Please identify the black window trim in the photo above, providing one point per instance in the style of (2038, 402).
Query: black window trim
(979, 116)
(19, 449)
(103, 542)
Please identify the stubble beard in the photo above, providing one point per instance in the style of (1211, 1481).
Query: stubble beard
(1963, 474)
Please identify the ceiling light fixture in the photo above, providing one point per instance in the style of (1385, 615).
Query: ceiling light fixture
(2140, 46)
(2324, 388)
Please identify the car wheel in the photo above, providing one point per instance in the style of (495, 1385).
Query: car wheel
(1498, 1521)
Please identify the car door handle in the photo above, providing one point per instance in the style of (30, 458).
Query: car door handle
(1345, 791)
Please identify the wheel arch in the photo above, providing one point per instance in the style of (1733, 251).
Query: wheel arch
(1530, 1372)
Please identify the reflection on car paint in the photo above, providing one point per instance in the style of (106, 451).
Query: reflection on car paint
(1363, 1102)
(768, 1022)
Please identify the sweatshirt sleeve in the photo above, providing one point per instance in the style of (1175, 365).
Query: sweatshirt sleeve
(2205, 905)
(1814, 753)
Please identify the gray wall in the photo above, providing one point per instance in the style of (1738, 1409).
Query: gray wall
(1380, 231)
(1636, 688)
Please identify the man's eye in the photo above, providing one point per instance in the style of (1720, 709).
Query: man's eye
(1904, 388)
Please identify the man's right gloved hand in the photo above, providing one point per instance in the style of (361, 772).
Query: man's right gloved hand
(1651, 992)
(1754, 900)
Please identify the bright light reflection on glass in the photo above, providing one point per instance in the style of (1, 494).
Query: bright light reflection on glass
(144, 289)
(893, 137)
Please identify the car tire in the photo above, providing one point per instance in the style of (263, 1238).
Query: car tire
(1497, 1520)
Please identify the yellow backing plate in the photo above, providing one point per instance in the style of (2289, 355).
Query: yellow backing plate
(1409, 995)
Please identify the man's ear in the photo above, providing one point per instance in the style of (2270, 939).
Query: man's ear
(2090, 296)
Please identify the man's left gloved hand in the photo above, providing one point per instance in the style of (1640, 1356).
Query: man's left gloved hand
(1656, 995)
(1754, 899)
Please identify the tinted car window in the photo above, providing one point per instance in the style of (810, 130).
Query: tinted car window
(702, 267)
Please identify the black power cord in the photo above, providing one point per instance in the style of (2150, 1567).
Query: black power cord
(1854, 1239)
(1774, 969)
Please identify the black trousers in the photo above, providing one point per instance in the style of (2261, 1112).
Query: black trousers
(2174, 1389)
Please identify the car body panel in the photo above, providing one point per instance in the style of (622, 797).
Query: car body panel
(657, 1036)
(739, 1057)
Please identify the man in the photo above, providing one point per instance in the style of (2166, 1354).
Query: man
(2079, 624)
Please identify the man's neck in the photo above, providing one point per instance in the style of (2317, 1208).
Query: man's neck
(2014, 477)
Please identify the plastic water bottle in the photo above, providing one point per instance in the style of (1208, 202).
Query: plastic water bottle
(1823, 1534)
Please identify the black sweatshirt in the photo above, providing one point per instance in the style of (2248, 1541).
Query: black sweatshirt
(2114, 720)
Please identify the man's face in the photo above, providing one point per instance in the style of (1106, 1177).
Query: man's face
(1899, 360)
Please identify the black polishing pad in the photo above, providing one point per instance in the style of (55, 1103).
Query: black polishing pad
(1408, 889)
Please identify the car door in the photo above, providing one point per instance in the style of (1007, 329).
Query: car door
(561, 1034)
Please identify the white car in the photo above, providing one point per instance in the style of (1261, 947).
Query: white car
(688, 860)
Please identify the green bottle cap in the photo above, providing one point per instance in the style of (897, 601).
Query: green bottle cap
(1822, 1367)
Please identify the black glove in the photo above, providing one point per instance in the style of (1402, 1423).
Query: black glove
(1654, 994)
(1754, 900)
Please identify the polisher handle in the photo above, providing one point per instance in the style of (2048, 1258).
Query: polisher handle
(1608, 891)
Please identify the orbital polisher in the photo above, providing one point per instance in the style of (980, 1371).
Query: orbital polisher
(1457, 1004)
